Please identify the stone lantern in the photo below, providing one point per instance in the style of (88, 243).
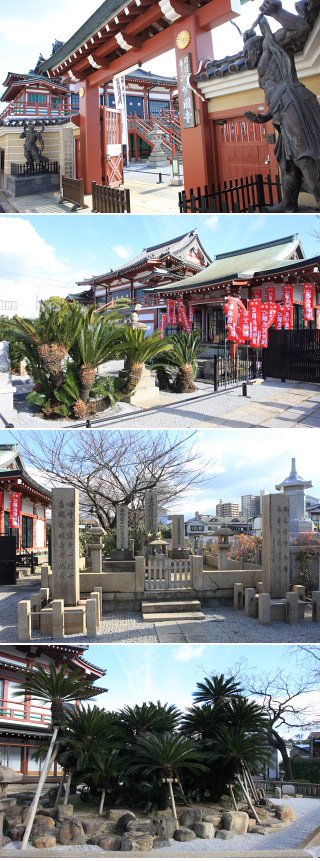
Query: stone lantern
(96, 549)
(223, 533)
(156, 547)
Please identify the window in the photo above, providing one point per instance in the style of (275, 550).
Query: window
(39, 98)
(196, 528)
(27, 531)
(55, 101)
(75, 100)
(7, 530)
(216, 323)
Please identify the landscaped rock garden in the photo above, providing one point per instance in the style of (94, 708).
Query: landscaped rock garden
(121, 829)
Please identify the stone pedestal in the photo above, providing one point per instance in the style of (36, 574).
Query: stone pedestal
(65, 545)
(292, 610)
(275, 545)
(96, 549)
(146, 390)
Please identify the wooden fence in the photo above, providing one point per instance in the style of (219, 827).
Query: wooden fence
(249, 194)
(73, 191)
(106, 199)
(166, 573)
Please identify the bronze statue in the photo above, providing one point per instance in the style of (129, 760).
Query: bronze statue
(293, 108)
(33, 136)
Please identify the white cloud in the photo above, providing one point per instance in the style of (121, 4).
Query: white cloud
(240, 463)
(188, 652)
(29, 266)
(212, 222)
(123, 251)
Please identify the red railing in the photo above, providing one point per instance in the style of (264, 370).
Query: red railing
(25, 711)
(168, 123)
(20, 108)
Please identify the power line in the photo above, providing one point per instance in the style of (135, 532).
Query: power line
(49, 281)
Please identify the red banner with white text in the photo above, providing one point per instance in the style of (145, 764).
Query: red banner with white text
(309, 292)
(15, 510)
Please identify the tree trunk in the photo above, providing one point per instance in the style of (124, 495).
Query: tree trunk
(184, 380)
(87, 377)
(135, 370)
(279, 743)
(164, 380)
(103, 795)
(165, 797)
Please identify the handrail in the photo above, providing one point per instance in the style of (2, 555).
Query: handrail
(25, 711)
(20, 107)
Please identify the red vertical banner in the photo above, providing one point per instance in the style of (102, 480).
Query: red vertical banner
(309, 291)
(231, 310)
(278, 321)
(268, 315)
(257, 293)
(163, 323)
(271, 294)
(15, 510)
(171, 312)
(1, 499)
(254, 306)
(288, 291)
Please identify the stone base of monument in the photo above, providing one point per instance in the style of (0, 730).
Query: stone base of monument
(171, 611)
(146, 390)
(179, 554)
(74, 620)
(278, 610)
(113, 566)
(42, 183)
(122, 555)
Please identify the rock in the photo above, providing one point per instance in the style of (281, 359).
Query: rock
(47, 841)
(42, 824)
(110, 842)
(136, 842)
(284, 813)
(237, 822)
(184, 835)
(277, 792)
(92, 826)
(288, 789)
(71, 832)
(10, 821)
(5, 841)
(224, 835)
(215, 819)
(161, 843)
(123, 821)
(165, 826)
(16, 833)
(263, 812)
(258, 829)
(205, 830)
(144, 826)
(115, 813)
(188, 817)
(64, 812)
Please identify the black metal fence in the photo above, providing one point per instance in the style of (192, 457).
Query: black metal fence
(293, 355)
(228, 371)
(28, 169)
(249, 194)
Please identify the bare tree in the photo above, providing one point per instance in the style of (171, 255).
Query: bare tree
(283, 698)
(112, 467)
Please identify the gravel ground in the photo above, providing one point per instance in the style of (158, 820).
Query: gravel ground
(223, 625)
(307, 812)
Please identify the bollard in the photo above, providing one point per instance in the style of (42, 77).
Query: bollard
(250, 604)
(96, 596)
(35, 602)
(264, 609)
(316, 606)
(160, 179)
(99, 590)
(24, 621)
(91, 617)
(301, 592)
(292, 610)
(244, 390)
(238, 596)
(58, 619)
(44, 596)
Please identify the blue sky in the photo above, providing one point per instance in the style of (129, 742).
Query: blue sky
(45, 255)
(240, 462)
(23, 35)
(171, 672)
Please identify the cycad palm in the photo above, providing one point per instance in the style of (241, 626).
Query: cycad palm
(238, 751)
(183, 356)
(55, 686)
(166, 754)
(202, 722)
(97, 342)
(216, 689)
(138, 348)
(149, 717)
(51, 335)
(245, 716)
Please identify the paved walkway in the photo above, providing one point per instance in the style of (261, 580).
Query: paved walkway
(220, 625)
(270, 404)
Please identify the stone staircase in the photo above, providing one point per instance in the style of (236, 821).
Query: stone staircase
(172, 606)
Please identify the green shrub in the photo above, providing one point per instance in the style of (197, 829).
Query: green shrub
(306, 769)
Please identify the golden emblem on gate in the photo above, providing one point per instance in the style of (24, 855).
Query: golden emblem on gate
(183, 39)
(81, 92)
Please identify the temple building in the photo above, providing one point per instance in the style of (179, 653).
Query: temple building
(23, 721)
(16, 485)
(182, 270)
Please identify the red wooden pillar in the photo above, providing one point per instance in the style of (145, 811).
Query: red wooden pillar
(90, 136)
(145, 104)
(196, 142)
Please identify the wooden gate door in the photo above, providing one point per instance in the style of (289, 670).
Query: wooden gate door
(243, 149)
(8, 574)
(112, 148)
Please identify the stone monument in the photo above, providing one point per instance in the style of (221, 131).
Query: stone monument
(122, 552)
(96, 549)
(294, 488)
(158, 158)
(178, 538)
(293, 109)
(151, 512)
(65, 545)
(275, 545)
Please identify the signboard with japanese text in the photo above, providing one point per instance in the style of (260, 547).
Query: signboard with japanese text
(187, 97)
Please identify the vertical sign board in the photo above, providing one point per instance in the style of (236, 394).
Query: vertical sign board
(275, 544)
(151, 512)
(119, 87)
(15, 510)
(122, 527)
(65, 545)
(187, 97)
